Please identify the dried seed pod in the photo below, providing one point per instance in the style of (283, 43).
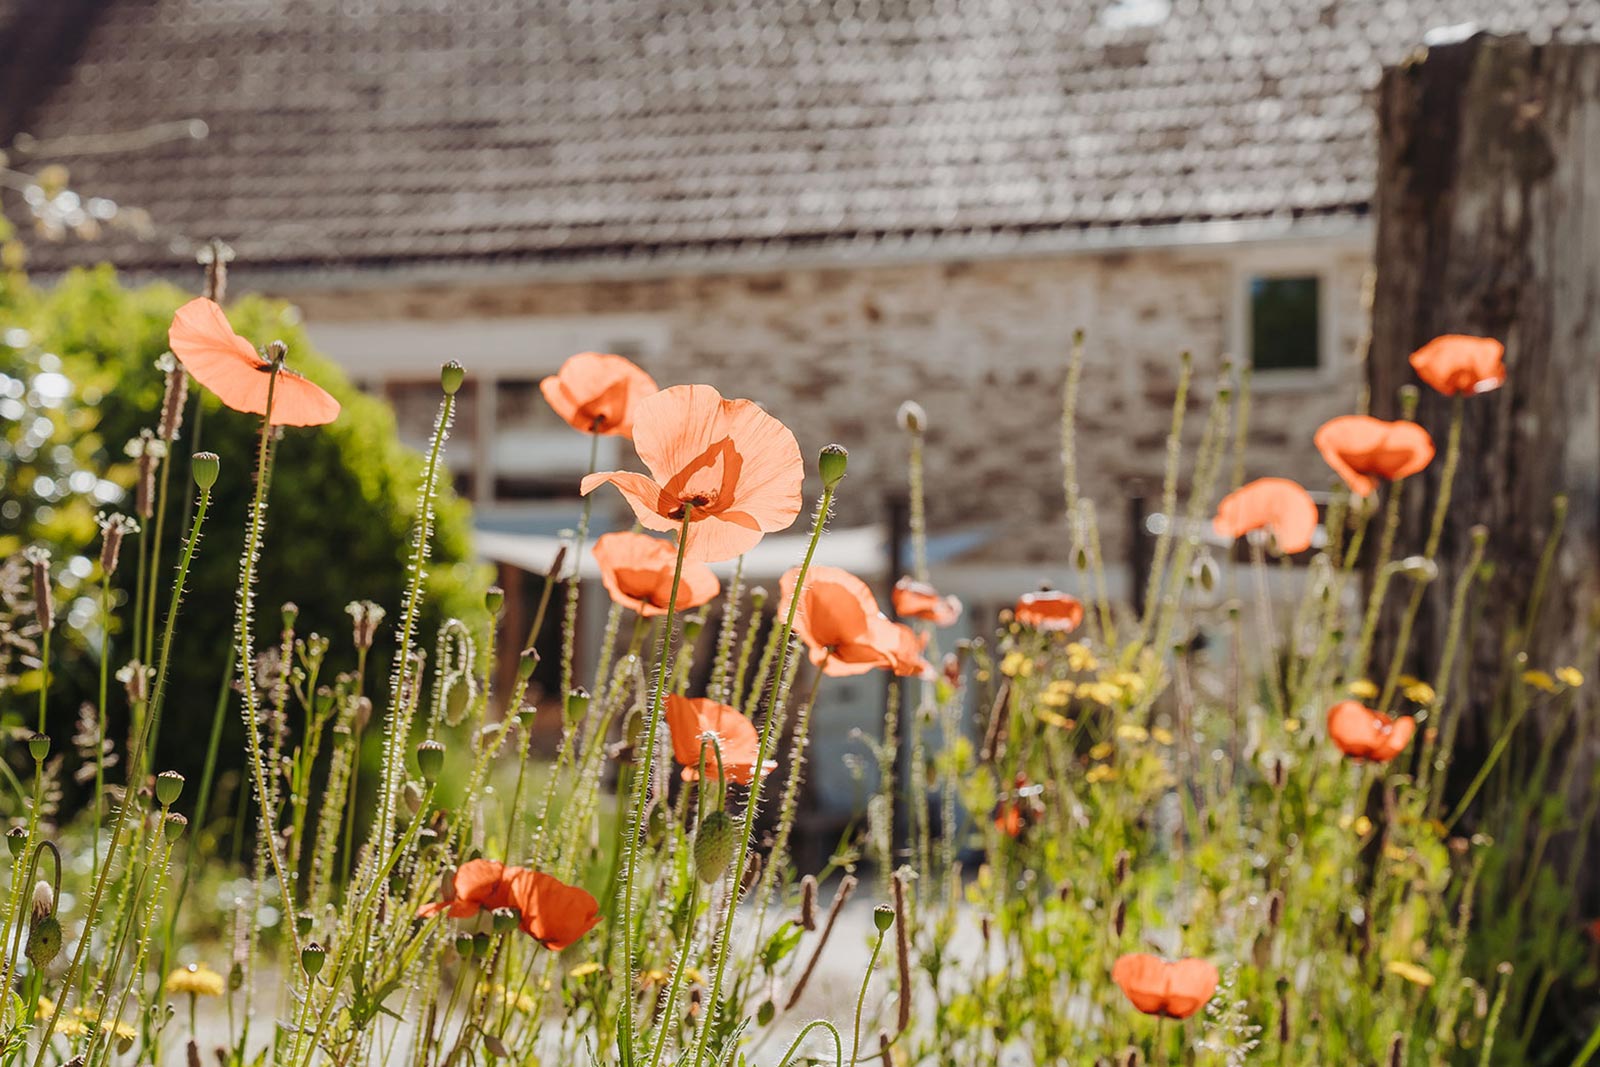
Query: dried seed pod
(808, 903)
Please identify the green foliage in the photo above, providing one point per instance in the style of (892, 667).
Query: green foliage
(341, 510)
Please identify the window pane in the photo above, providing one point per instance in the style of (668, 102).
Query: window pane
(1285, 331)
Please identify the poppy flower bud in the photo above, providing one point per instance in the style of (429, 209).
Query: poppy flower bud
(16, 839)
(312, 958)
(303, 923)
(291, 612)
(831, 464)
(451, 375)
(464, 946)
(236, 977)
(505, 920)
(38, 747)
(911, 417)
(1419, 569)
(480, 944)
(577, 704)
(44, 929)
(430, 760)
(526, 662)
(494, 598)
(713, 846)
(169, 786)
(277, 352)
(174, 825)
(765, 1013)
(883, 917)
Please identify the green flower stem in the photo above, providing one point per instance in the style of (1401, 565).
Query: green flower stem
(861, 997)
(100, 734)
(645, 760)
(1169, 497)
(135, 759)
(401, 706)
(794, 1046)
(245, 657)
(1447, 478)
(722, 944)
(154, 577)
(569, 623)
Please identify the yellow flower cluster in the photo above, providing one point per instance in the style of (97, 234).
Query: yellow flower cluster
(1565, 676)
(1016, 665)
(196, 980)
(1080, 659)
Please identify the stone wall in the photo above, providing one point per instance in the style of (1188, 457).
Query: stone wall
(981, 344)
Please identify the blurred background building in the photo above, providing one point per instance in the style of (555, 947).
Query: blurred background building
(827, 206)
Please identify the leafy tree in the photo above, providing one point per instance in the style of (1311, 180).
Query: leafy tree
(343, 496)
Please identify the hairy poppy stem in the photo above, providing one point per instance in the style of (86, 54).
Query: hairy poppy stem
(861, 997)
(569, 622)
(245, 656)
(721, 943)
(645, 760)
(838, 1042)
(136, 758)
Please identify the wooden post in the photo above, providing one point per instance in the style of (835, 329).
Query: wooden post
(1488, 222)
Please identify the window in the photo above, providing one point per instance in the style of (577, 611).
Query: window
(1285, 322)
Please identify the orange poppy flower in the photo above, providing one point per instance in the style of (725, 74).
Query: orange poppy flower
(1459, 363)
(1049, 610)
(840, 623)
(690, 719)
(1157, 987)
(230, 367)
(735, 467)
(478, 885)
(596, 392)
(919, 600)
(1362, 449)
(550, 911)
(1274, 504)
(1362, 733)
(554, 913)
(636, 570)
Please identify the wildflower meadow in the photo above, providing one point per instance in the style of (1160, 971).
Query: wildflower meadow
(1094, 839)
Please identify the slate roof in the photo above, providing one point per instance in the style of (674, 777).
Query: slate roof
(378, 133)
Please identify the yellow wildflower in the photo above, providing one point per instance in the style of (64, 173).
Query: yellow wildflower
(1396, 853)
(1050, 718)
(1057, 694)
(1540, 680)
(1101, 772)
(1102, 693)
(1365, 689)
(1362, 826)
(1163, 736)
(1420, 693)
(1131, 732)
(1101, 751)
(1016, 665)
(197, 980)
(584, 970)
(1291, 725)
(1571, 675)
(1079, 658)
(1410, 972)
(1128, 682)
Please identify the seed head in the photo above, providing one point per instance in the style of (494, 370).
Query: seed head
(831, 464)
(169, 786)
(204, 468)
(451, 375)
(883, 917)
(312, 958)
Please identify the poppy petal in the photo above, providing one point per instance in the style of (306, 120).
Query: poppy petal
(230, 367)
(1275, 504)
(642, 494)
(597, 392)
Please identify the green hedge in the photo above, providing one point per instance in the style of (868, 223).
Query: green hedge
(342, 504)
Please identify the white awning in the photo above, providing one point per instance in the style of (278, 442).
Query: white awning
(862, 550)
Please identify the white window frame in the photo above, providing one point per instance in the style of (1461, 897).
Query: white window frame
(378, 352)
(1298, 262)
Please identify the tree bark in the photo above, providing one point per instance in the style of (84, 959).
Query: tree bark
(1488, 222)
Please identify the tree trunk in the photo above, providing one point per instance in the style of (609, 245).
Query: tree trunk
(1488, 222)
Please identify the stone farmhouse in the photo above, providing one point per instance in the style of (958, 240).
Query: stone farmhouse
(829, 205)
